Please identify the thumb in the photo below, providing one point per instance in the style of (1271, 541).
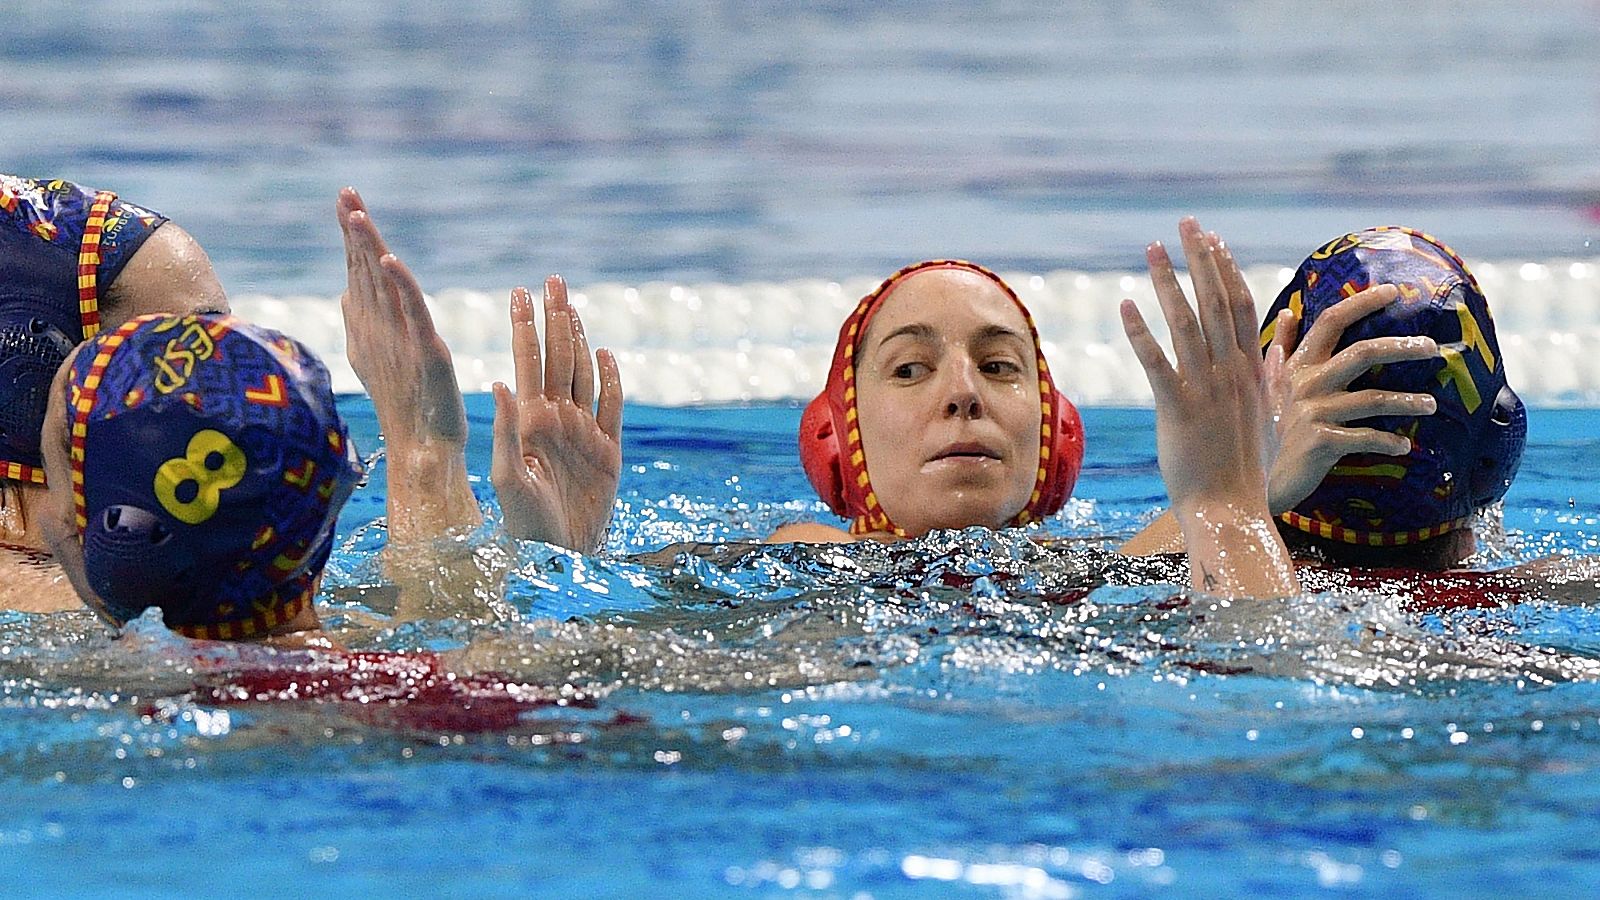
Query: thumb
(1279, 385)
(505, 464)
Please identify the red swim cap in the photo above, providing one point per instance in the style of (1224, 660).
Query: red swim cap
(830, 442)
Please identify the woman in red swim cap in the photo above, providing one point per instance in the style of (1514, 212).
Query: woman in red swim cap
(939, 412)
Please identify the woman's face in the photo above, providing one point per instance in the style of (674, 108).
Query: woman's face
(947, 390)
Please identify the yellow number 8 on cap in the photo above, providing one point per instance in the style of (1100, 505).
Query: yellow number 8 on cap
(213, 463)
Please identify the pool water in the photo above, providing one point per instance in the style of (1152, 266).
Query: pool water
(969, 711)
(975, 714)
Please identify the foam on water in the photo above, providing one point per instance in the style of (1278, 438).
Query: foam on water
(714, 343)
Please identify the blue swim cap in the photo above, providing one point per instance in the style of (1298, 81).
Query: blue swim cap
(61, 248)
(208, 466)
(1464, 455)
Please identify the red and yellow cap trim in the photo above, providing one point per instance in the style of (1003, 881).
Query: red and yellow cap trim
(83, 402)
(1343, 535)
(269, 615)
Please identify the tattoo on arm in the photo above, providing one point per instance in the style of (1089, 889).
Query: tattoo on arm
(1207, 579)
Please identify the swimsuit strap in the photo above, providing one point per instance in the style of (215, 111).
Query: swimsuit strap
(89, 264)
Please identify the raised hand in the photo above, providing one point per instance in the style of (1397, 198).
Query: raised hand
(557, 459)
(1212, 430)
(1312, 406)
(406, 367)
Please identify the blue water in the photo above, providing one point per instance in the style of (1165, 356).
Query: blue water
(995, 732)
(732, 141)
(954, 716)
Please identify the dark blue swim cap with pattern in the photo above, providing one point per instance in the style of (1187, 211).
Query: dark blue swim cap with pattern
(1462, 457)
(61, 247)
(208, 465)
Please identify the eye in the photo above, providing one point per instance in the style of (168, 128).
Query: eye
(1005, 368)
(909, 371)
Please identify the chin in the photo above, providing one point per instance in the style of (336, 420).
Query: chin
(957, 515)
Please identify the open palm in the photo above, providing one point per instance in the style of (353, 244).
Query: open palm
(557, 459)
(406, 367)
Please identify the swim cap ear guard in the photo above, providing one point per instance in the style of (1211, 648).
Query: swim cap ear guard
(35, 337)
(1462, 457)
(830, 444)
(209, 465)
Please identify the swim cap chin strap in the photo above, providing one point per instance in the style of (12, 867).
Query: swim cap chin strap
(830, 436)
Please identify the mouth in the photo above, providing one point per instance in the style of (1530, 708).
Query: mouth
(965, 452)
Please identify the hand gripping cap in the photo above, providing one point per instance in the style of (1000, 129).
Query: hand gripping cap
(1464, 455)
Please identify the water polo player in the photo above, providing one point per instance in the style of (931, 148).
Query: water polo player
(939, 412)
(1396, 420)
(72, 260)
(205, 465)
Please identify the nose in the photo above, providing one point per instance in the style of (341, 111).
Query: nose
(963, 400)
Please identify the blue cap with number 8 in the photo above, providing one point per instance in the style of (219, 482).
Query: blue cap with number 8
(208, 467)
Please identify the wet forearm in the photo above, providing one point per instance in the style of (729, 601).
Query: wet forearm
(1235, 550)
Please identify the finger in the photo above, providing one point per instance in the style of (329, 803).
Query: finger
(406, 295)
(350, 199)
(610, 414)
(1355, 360)
(1323, 337)
(1157, 370)
(525, 353)
(365, 298)
(354, 244)
(1240, 300)
(365, 250)
(1286, 333)
(1188, 345)
(510, 471)
(355, 219)
(436, 368)
(557, 340)
(506, 465)
(1216, 319)
(1347, 407)
(1296, 474)
(347, 203)
(1280, 386)
(1339, 442)
(583, 367)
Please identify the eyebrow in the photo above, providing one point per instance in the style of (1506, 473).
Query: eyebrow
(916, 330)
(990, 332)
(923, 331)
